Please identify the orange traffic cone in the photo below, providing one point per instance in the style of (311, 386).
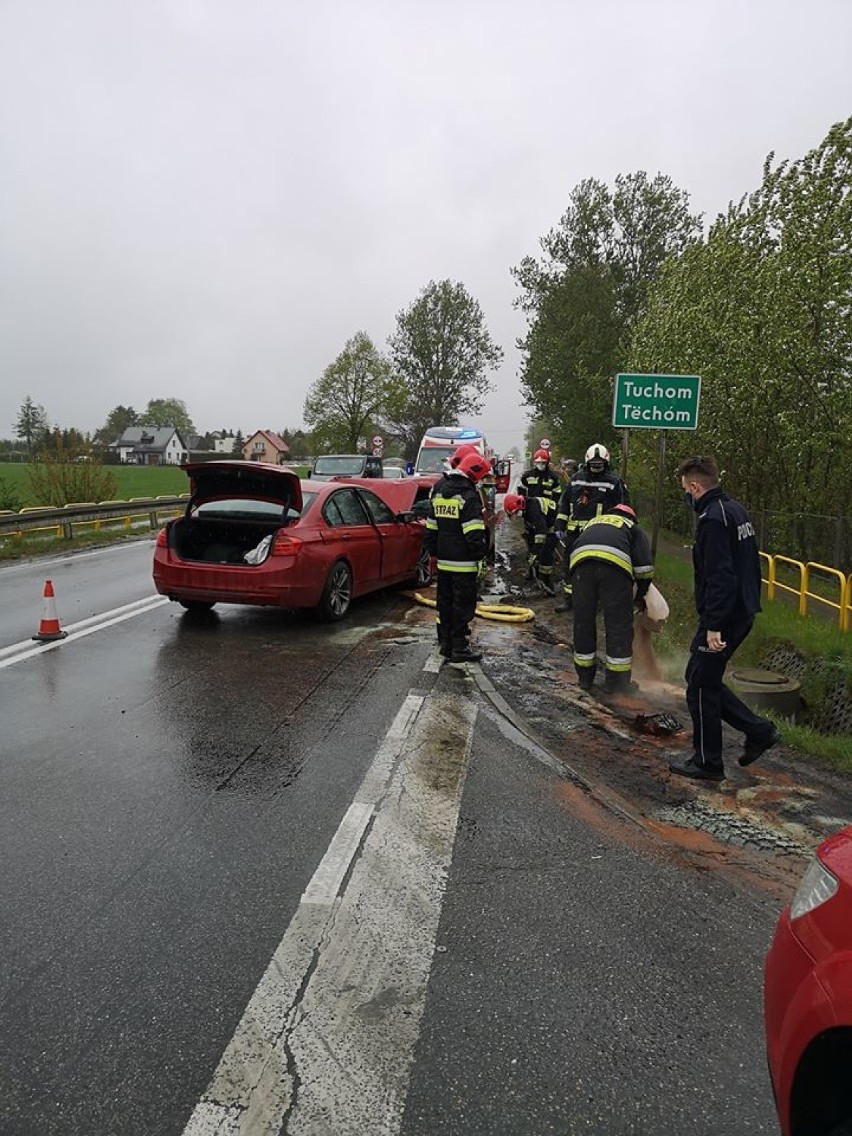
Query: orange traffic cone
(49, 627)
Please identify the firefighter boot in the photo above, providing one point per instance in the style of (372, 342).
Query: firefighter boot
(586, 678)
(619, 682)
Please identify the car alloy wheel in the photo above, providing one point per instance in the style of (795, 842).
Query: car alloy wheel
(337, 593)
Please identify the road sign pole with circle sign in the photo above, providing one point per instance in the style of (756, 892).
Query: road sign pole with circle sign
(378, 445)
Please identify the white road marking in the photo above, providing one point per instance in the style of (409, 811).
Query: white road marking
(433, 663)
(17, 652)
(327, 1040)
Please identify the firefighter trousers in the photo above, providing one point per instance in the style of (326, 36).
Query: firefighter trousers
(599, 585)
(456, 604)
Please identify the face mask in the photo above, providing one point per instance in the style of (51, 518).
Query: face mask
(689, 499)
(539, 466)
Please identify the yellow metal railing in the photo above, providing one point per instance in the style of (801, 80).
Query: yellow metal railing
(804, 573)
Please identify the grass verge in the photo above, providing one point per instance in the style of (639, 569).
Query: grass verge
(826, 651)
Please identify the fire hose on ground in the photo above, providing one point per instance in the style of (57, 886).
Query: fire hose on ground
(501, 613)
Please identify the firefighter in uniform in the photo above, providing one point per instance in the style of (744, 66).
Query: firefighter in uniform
(539, 513)
(592, 490)
(541, 480)
(607, 558)
(456, 543)
(567, 468)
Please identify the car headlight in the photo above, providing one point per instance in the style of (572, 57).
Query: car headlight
(817, 887)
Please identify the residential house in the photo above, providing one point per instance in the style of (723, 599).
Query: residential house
(150, 445)
(266, 446)
(222, 443)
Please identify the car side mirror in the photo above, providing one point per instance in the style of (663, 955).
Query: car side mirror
(404, 518)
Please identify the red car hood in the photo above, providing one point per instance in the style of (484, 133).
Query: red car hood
(209, 480)
(398, 494)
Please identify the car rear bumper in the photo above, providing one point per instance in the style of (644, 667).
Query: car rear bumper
(256, 586)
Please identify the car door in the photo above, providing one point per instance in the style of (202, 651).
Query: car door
(401, 540)
(352, 535)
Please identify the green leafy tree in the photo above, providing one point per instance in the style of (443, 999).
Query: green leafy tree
(31, 424)
(344, 405)
(168, 412)
(118, 420)
(442, 353)
(584, 295)
(239, 442)
(298, 442)
(763, 312)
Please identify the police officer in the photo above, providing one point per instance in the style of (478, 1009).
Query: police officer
(726, 565)
(592, 490)
(608, 557)
(539, 513)
(456, 543)
(541, 480)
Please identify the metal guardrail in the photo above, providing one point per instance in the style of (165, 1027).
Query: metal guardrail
(806, 574)
(63, 521)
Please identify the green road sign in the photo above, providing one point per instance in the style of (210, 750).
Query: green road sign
(656, 402)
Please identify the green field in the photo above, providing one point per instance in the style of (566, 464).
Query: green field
(132, 481)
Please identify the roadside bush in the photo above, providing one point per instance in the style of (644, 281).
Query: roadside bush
(9, 499)
(67, 475)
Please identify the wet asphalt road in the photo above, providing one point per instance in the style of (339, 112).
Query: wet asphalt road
(171, 786)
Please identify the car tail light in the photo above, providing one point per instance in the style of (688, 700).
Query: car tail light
(162, 539)
(285, 545)
(817, 887)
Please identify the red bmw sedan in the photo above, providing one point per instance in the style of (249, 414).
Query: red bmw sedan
(255, 534)
(807, 998)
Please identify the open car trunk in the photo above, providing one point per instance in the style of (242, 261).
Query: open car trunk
(214, 541)
(219, 527)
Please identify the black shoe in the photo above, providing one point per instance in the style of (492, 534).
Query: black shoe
(465, 656)
(689, 768)
(754, 747)
(585, 683)
(566, 605)
(445, 651)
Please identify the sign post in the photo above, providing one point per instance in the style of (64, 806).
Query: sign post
(378, 445)
(656, 402)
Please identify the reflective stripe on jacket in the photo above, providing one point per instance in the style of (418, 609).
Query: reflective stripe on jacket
(618, 540)
(455, 529)
(588, 495)
(539, 483)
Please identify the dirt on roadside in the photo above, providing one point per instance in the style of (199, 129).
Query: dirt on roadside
(763, 821)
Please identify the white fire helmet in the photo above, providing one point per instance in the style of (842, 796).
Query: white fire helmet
(597, 452)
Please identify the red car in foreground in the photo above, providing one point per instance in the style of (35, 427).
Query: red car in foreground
(255, 534)
(807, 998)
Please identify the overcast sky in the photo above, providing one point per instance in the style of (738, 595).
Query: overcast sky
(204, 199)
